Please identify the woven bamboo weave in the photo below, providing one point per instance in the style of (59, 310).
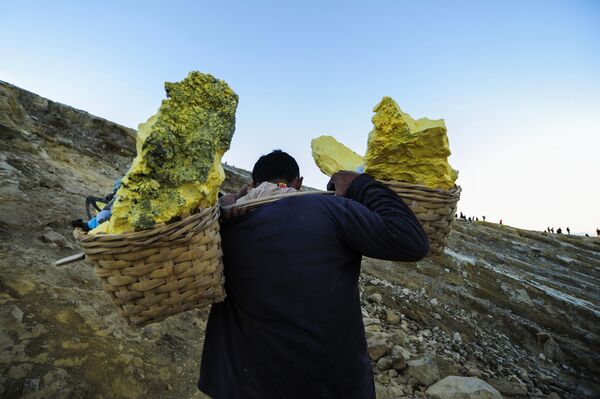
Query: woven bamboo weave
(435, 209)
(163, 271)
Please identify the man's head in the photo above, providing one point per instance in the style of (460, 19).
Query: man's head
(277, 167)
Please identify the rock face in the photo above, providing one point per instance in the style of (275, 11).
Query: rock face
(178, 164)
(331, 156)
(453, 387)
(60, 335)
(400, 148)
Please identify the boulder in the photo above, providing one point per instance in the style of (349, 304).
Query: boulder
(399, 356)
(391, 317)
(423, 370)
(389, 391)
(377, 346)
(376, 298)
(509, 388)
(454, 387)
(399, 337)
(385, 363)
(52, 237)
(404, 149)
(178, 164)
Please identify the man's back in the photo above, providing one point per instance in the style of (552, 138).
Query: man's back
(291, 325)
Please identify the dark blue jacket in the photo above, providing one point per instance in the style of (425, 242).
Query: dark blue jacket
(291, 326)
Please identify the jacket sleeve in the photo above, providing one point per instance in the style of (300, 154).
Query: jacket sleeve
(379, 225)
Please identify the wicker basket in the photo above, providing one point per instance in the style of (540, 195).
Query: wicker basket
(434, 208)
(163, 271)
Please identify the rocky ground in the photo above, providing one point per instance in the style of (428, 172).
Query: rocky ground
(517, 309)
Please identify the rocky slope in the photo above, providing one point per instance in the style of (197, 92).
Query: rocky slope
(516, 308)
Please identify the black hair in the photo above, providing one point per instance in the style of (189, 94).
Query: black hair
(277, 164)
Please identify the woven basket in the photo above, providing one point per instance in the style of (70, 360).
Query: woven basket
(163, 271)
(434, 208)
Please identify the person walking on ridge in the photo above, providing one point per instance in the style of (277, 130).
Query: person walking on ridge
(291, 324)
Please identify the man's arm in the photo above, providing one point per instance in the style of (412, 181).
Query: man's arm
(378, 224)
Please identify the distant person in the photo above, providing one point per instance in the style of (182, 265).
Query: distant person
(469, 219)
(462, 216)
(483, 218)
(597, 232)
(476, 219)
(559, 231)
(568, 231)
(552, 230)
(500, 221)
(456, 216)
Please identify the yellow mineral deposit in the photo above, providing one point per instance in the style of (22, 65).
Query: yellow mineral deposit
(400, 148)
(331, 156)
(178, 164)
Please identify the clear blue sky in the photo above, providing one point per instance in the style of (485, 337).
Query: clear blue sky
(518, 82)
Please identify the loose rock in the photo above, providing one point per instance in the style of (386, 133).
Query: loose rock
(376, 298)
(453, 387)
(52, 237)
(423, 370)
(377, 346)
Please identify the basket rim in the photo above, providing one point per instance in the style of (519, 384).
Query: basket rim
(189, 224)
(401, 184)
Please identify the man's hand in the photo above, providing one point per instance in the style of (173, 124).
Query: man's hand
(340, 181)
(232, 214)
(242, 192)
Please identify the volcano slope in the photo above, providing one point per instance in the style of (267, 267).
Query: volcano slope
(516, 308)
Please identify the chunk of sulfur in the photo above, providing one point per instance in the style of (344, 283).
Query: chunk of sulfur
(331, 156)
(178, 164)
(414, 151)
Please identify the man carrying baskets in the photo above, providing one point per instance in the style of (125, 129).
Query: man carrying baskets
(291, 325)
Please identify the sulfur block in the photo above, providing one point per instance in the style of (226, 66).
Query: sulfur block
(331, 156)
(178, 164)
(404, 149)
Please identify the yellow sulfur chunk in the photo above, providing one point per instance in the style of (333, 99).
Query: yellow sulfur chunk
(400, 148)
(331, 156)
(178, 164)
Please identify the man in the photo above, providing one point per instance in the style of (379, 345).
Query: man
(291, 325)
